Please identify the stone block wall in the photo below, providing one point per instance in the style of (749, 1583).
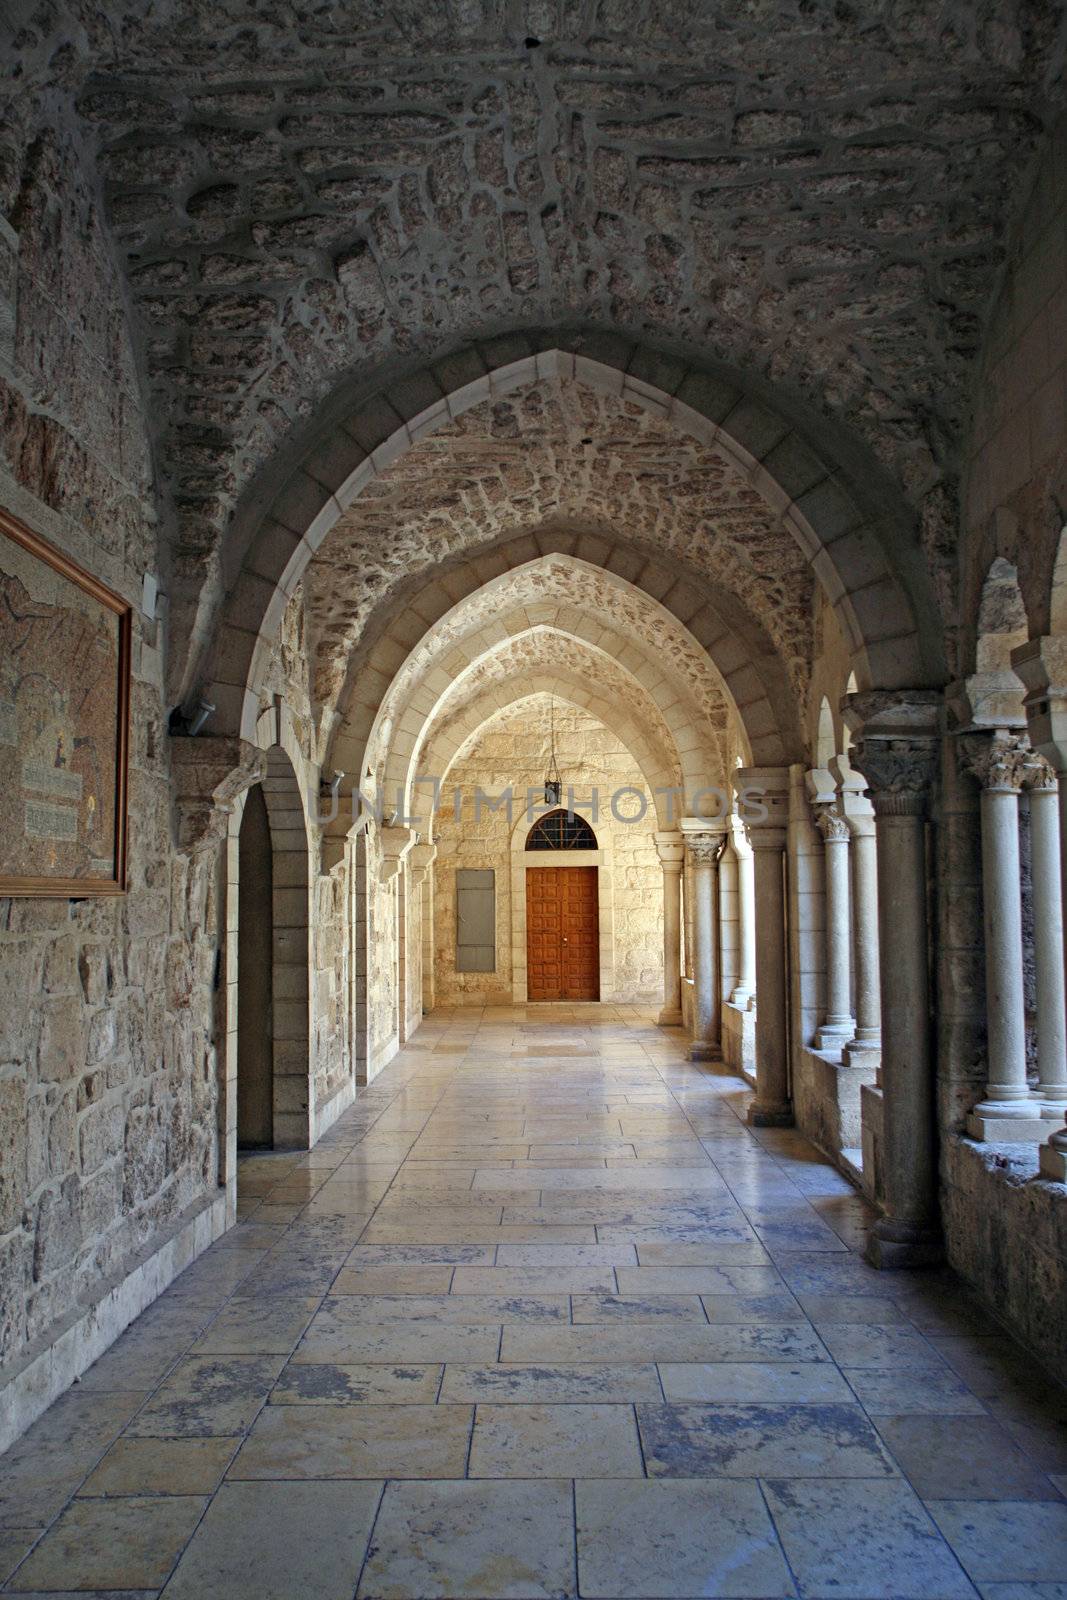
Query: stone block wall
(108, 1026)
(512, 750)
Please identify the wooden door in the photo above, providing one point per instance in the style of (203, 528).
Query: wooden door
(562, 934)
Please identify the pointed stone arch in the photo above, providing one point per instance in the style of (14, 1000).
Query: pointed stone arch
(870, 565)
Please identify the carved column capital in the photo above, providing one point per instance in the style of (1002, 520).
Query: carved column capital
(209, 774)
(705, 848)
(899, 773)
(670, 847)
(998, 760)
(1040, 773)
(831, 824)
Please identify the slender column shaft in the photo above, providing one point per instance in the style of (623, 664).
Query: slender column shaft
(772, 1106)
(897, 754)
(907, 1073)
(671, 855)
(998, 762)
(746, 916)
(1045, 814)
(672, 944)
(838, 1025)
(865, 937)
(704, 849)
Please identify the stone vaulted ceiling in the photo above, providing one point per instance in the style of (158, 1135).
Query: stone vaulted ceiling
(812, 191)
(557, 453)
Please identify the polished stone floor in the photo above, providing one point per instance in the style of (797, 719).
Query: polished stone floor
(540, 1316)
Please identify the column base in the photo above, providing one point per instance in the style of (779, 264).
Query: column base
(1053, 1162)
(896, 1246)
(669, 1017)
(762, 1115)
(867, 1057)
(740, 997)
(1011, 1130)
(834, 1036)
(701, 1051)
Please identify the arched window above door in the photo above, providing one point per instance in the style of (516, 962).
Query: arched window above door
(561, 830)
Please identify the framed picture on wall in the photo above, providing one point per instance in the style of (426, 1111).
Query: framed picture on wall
(64, 723)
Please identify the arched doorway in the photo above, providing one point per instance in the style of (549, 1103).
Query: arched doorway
(562, 911)
(268, 1093)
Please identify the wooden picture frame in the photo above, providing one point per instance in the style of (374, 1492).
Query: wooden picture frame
(64, 723)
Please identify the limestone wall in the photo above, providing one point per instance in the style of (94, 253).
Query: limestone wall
(107, 1007)
(512, 750)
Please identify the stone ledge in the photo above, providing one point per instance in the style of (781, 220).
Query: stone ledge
(55, 1361)
(1006, 1233)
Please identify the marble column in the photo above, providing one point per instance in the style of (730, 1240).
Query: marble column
(671, 852)
(868, 1036)
(421, 862)
(998, 761)
(837, 1026)
(1042, 666)
(705, 848)
(897, 753)
(744, 993)
(1043, 791)
(765, 813)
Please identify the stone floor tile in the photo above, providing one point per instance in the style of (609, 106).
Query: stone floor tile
(854, 1308)
(868, 1345)
(260, 1327)
(112, 1544)
(409, 1278)
(533, 1280)
(555, 1441)
(466, 1308)
(566, 1255)
(161, 1466)
(505, 1541)
(208, 1396)
(869, 1541)
(329, 1339)
(700, 1253)
(929, 1391)
(1005, 1539)
(356, 1441)
(634, 1308)
(973, 1459)
(279, 1541)
(811, 1382)
(363, 1256)
(743, 1308)
(366, 1384)
(664, 1341)
(698, 1280)
(15, 1544)
(559, 1384)
(676, 1539)
(757, 1441)
(1023, 1591)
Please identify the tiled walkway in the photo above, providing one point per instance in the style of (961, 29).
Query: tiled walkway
(541, 1316)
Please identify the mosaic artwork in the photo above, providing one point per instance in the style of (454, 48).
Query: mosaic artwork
(64, 695)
